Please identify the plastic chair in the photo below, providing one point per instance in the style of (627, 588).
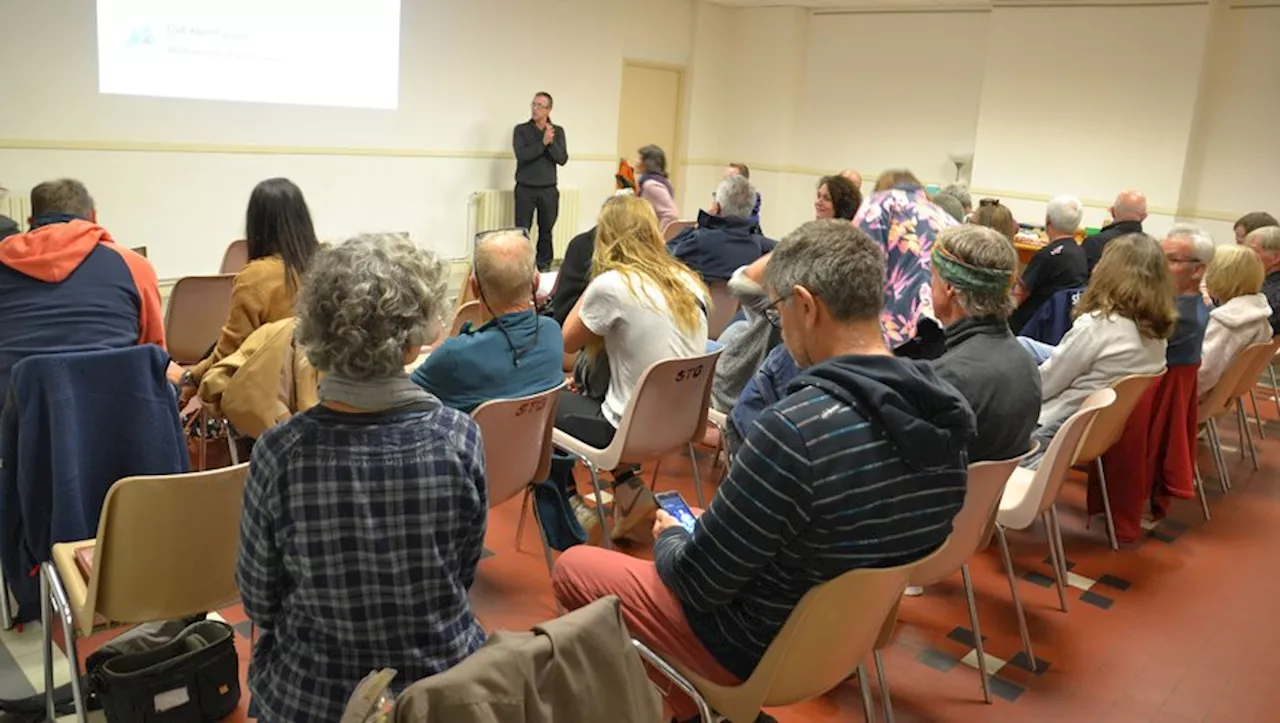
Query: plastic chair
(1247, 366)
(724, 306)
(235, 257)
(166, 548)
(521, 428)
(667, 411)
(828, 634)
(469, 312)
(674, 228)
(1106, 430)
(198, 307)
(1244, 385)
(1031, 493)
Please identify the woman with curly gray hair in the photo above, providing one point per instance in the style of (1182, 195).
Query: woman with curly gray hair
(364, 517)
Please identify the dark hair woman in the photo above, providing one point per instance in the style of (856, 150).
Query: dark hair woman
(654, 186)
(837, 197)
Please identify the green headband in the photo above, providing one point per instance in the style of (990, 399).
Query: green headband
(966, 276)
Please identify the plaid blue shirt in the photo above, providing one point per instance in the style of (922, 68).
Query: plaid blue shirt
(359, 539)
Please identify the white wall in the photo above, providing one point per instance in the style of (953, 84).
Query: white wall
(177, 173)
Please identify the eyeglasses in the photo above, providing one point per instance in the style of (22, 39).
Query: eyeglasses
(516, 353)
(772, 314)
(544, 106)
(1182, 260)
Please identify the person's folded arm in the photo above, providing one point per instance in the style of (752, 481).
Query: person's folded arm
(260, 568)
(526, 151)
(559, 148)
(761, 507)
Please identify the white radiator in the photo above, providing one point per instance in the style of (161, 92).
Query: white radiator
(493, 209)
(17, 208)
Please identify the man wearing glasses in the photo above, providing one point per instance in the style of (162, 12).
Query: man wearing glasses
(539, 146)
(1188, 251)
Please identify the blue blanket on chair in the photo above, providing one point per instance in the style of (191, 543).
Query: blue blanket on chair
(72, 425)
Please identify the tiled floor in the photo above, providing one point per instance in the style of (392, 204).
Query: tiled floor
(1181, 628)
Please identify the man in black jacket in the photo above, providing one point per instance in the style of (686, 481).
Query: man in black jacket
(539, 146)
(726, 238)
(1127, 215)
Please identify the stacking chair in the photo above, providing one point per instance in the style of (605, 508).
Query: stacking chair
(1244, 385)
(1106, 430)
(828, 634)
(517, 432)
(1245, 368)
(166, 548)
(723, 307)
(198, 307)
(468, 312)
(667, 411)
(1030, 494)
(235, 257)
(674, 228)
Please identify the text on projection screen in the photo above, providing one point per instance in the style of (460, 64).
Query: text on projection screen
(339, 53)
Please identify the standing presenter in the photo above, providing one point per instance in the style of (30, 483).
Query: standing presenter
(539, 146)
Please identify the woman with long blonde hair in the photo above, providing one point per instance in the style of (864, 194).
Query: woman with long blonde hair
(1122, 326)
(641, 306)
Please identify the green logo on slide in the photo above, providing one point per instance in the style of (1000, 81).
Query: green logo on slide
(141, 36)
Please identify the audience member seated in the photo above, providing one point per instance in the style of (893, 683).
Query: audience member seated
(281, 244)
(1187, 251)
(1242, 316)
(364, 517)
(950, 204)
(901, 218)
(1121, 326)
(766, 386)
(66, 285)
(741, 169)
(1251, 222)
(745, 343)
(960, 192)
(726, 238)
(516, 352)
(1265, 242)
(993, 214)
(837, 198)
(1060, 265)
(642, 307)
(973, 270)
(862, 465)
(1127, 214)
(654, 186)
(573, 274)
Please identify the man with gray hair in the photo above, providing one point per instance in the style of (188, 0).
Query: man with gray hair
(862, 465)
(727, 237)
(1188, 251)
(516, 352)
(1127, 214)
(1265, 242)
(1060, 265)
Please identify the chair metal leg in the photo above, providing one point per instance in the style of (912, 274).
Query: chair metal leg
(605, 538)
(1059, 577)
(865, 687)
(524, 513)
(1199, 482)
(1215, 444)
(1257, 415)
(886, 700)
(657, 468)
(231, 444)
(1057, 533)
(46, 632)
(6, 613)
(1240, 426)
(657, 663)
(697, 479)
(1275, 388)
(63, 606)
(977, 633)
(1246, 437)
(546, 554)
(1017, 599)
(1106, 504)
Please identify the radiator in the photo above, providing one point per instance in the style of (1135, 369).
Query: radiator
(17, 208)
(492, 209)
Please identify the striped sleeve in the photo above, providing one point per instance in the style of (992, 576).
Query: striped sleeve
(762, 506)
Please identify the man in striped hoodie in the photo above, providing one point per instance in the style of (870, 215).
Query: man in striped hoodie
(862, 465)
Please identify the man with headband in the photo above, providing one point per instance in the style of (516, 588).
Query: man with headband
(973, 274)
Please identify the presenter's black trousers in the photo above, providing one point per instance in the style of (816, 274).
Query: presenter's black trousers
(546, 201)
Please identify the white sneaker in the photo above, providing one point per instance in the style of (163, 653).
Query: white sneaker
(913, 591)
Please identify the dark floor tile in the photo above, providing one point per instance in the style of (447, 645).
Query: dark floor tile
(486, 552)
(964, 636)
(1036, 578)
(937, 659)
(1162, 536)
(1020, 661)
(1097, 600)
(1071, 565)
(1115, 583)
(1174, 525)
(1006, 690)
(244, 628)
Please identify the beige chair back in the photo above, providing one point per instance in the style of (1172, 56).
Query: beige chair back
(723, 306)
(166, 547)
(468, 312)
(1108, 426)
(1238, 379)
(668, 409)
(235, 257)
(974, 523)
(198, 307)
(517, 442)
(1058, 459)
(827, 636)
(674, 228)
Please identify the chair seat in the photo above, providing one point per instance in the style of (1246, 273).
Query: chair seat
(569, 443)
(1017, 508)
(75, 580)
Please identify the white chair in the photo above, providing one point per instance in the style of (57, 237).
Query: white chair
(674, 228)
(1030, 494)
(468, 312)
(1259, 360)
(235, 257)
(1245, 367)
(517, 437)
(723, 307)
(667, 411)
(198, 307)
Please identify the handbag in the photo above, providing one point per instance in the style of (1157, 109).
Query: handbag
(195, 677)
(208, 444)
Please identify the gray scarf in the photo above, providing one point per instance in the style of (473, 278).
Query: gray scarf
(375, 395)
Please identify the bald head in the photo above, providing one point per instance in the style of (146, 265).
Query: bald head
(854, 177)
(1130, 206)
(505, 272)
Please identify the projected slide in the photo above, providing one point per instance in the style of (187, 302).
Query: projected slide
(302, 52)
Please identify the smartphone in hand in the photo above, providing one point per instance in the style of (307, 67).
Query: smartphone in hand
(673, 504)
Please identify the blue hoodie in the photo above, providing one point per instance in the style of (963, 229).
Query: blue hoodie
(862, 465)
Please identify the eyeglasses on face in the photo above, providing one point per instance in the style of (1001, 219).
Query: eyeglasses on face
(771, 312)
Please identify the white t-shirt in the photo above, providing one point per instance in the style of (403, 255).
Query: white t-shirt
(636, 333)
